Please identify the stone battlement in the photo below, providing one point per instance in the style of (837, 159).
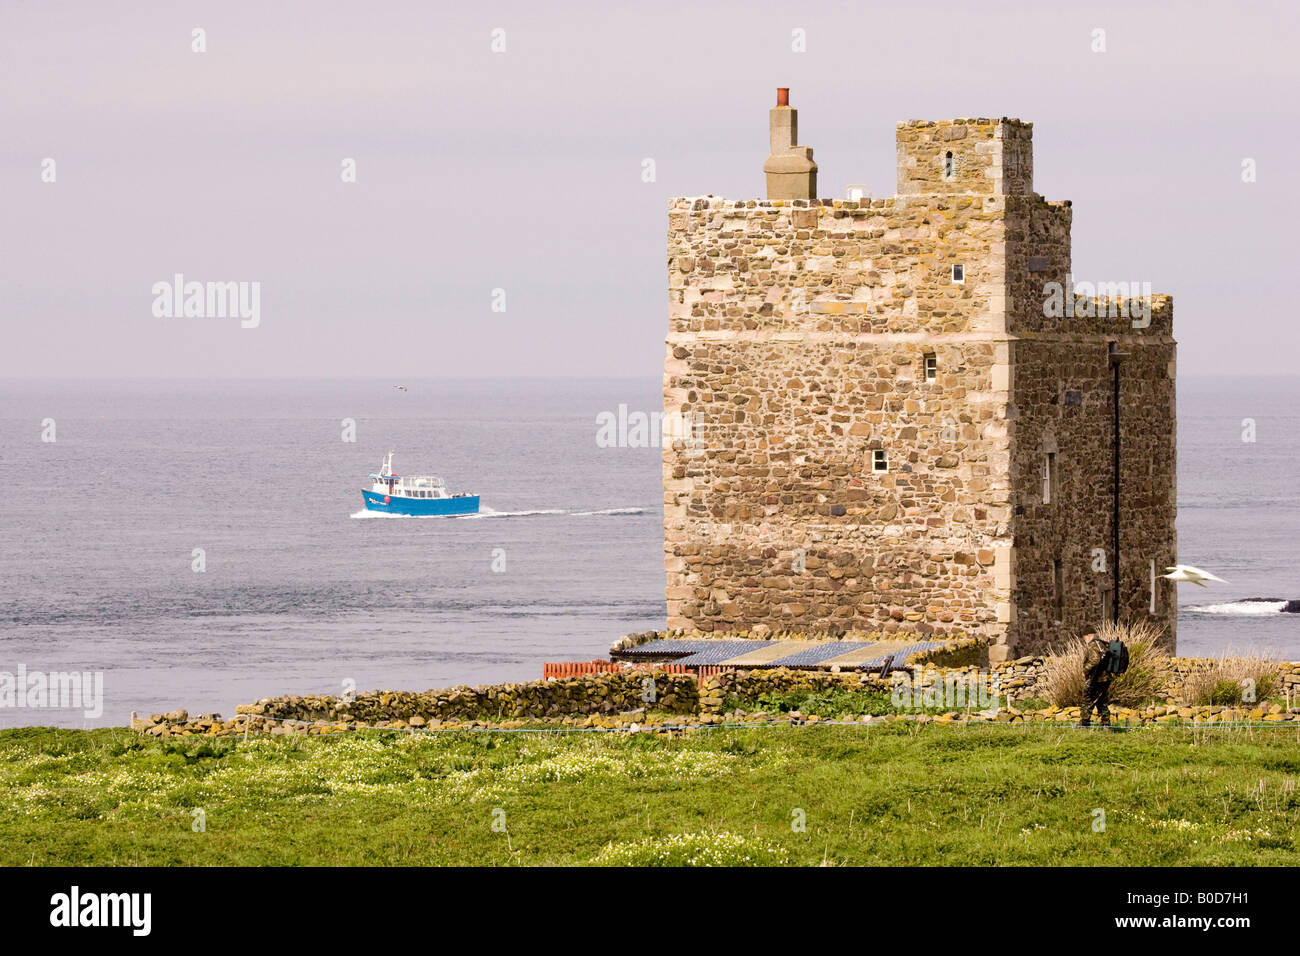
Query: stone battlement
(1006, 121)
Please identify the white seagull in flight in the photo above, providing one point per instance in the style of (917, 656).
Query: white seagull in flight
(1185, 572)
(400, 388)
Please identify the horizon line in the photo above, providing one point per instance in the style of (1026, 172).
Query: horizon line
(398, 379)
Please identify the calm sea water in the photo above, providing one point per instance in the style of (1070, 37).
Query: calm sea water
(303, 592)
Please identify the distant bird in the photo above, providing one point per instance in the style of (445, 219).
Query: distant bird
(400, 388)
(1185, 572)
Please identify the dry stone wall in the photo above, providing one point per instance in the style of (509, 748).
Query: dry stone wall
(613, 701)
(609, 693)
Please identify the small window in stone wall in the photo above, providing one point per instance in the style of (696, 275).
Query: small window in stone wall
(879, 460)
(958, 273)
(1154, 583)
(931, 366)
(1058, 584)
(1049, 478)
(949, 167)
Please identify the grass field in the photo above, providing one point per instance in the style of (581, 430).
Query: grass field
(906, 794)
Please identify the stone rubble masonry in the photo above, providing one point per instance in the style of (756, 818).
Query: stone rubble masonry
(613, 701)
(1025, 677)
(799, 337)
(588, 695)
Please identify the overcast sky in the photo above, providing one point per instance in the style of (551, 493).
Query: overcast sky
(522, 170)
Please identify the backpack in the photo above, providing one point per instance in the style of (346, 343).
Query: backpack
(1115, 660)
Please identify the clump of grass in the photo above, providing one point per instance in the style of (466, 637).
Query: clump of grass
(1064, 681)
(831, 702)
(1226, 679)
(694, 849)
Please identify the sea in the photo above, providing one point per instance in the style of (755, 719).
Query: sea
(201, 544)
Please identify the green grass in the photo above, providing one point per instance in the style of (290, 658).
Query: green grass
(830, 703)
(910, 794)
(834, 703)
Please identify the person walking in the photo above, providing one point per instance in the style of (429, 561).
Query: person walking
(1096, 690)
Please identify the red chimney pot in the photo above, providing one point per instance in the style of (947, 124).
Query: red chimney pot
(783, 96)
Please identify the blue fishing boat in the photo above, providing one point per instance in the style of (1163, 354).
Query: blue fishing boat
(414, 495)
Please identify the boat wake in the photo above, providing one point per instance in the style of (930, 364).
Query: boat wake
(1249, 607)
(490, 513)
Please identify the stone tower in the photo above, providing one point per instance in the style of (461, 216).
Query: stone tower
(905, 415)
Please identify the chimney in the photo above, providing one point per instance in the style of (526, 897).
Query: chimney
(791, 172)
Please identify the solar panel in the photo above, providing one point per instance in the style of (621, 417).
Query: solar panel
(715, 652)
(663, 648)
(699, 652)
(811, 656)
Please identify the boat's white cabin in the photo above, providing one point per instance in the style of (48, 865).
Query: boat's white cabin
(406, 486)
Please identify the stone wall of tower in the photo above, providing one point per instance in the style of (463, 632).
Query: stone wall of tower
(797, 345)
(1063, 403)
